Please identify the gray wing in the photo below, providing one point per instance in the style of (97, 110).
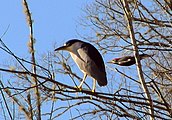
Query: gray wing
(95, 56)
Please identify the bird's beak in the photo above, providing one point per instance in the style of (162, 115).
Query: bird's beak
(61, 48)
(111, 62)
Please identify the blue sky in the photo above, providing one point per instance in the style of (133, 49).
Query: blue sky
(54, 22)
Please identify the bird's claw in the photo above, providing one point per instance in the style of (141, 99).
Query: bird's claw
(79, 88)
(93, 91)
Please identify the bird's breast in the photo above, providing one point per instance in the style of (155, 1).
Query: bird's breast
(81, 63)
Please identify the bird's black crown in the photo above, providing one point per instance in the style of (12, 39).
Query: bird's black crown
(70, 42)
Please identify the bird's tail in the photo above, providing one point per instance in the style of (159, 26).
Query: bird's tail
(142, 56)
(102, 81)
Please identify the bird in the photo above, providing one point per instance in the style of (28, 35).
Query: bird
(128, 60)
(89, 61)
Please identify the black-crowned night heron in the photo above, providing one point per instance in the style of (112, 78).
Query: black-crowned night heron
(88, 59)
(128, 60)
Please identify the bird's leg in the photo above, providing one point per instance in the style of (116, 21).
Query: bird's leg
(80, 86)
(94, 85)
(93, 89)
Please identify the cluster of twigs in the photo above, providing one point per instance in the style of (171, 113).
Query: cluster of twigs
(133, 105)
(40, 85)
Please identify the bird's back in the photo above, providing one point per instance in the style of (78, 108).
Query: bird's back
(96, 67)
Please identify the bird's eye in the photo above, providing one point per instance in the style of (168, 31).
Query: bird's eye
(67, 44)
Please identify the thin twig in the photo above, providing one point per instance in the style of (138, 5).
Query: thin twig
(128, 16)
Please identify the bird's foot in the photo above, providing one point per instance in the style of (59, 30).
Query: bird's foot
(79, 88)
(93, 90)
